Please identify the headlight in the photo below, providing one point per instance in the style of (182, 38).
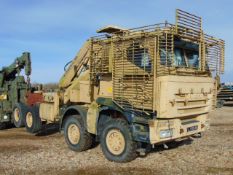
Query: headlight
(166, 133)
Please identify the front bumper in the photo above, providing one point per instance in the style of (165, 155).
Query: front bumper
(5, 118)
(172, 129)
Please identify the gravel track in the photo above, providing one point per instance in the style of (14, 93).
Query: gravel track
(47, 153)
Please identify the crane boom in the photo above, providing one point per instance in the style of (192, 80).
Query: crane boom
(22, 62)
(76, 66)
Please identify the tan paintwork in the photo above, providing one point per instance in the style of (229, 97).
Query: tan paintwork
(186, 99)
(78, 91)
(115, 142)
(92, 116)
(178, 127)
(49, 108)
(75, 67)
(105, 90)
(105, 87)
(180, 96)
(84, 92)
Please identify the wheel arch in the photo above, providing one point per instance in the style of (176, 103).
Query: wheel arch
(107, 113)
(113, 113)
(111, 109)
(73, 110)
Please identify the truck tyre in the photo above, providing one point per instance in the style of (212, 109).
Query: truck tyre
(116, 141)
(76, 135)
(19, 112)
(33, 122)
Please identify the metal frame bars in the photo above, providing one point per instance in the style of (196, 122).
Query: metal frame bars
(188, 25)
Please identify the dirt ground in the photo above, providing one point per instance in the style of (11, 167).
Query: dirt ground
(22, 153)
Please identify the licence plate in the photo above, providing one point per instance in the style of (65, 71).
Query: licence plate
(192, 128)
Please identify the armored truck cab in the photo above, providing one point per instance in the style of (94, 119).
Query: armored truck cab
(134, 87)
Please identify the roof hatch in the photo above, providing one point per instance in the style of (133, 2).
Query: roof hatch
(110, 29)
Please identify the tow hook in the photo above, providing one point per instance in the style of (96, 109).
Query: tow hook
(141, 151)
(165, 146)
(197, 135)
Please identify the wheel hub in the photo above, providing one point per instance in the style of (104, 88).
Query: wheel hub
(16, 114)
(73, 134)
(29, 119)
(115, 142)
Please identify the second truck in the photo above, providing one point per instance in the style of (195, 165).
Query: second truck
(13, 91)
(130, 88)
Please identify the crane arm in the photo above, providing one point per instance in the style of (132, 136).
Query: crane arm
(20, 62)
(23, 62)
(76, 66)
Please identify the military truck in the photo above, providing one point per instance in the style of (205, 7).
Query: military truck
(13, 90)
(130, 88)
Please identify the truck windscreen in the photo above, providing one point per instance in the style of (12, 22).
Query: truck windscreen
(186, 54)
(186, 58)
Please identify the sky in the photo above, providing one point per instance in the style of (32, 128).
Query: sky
(54, 30)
